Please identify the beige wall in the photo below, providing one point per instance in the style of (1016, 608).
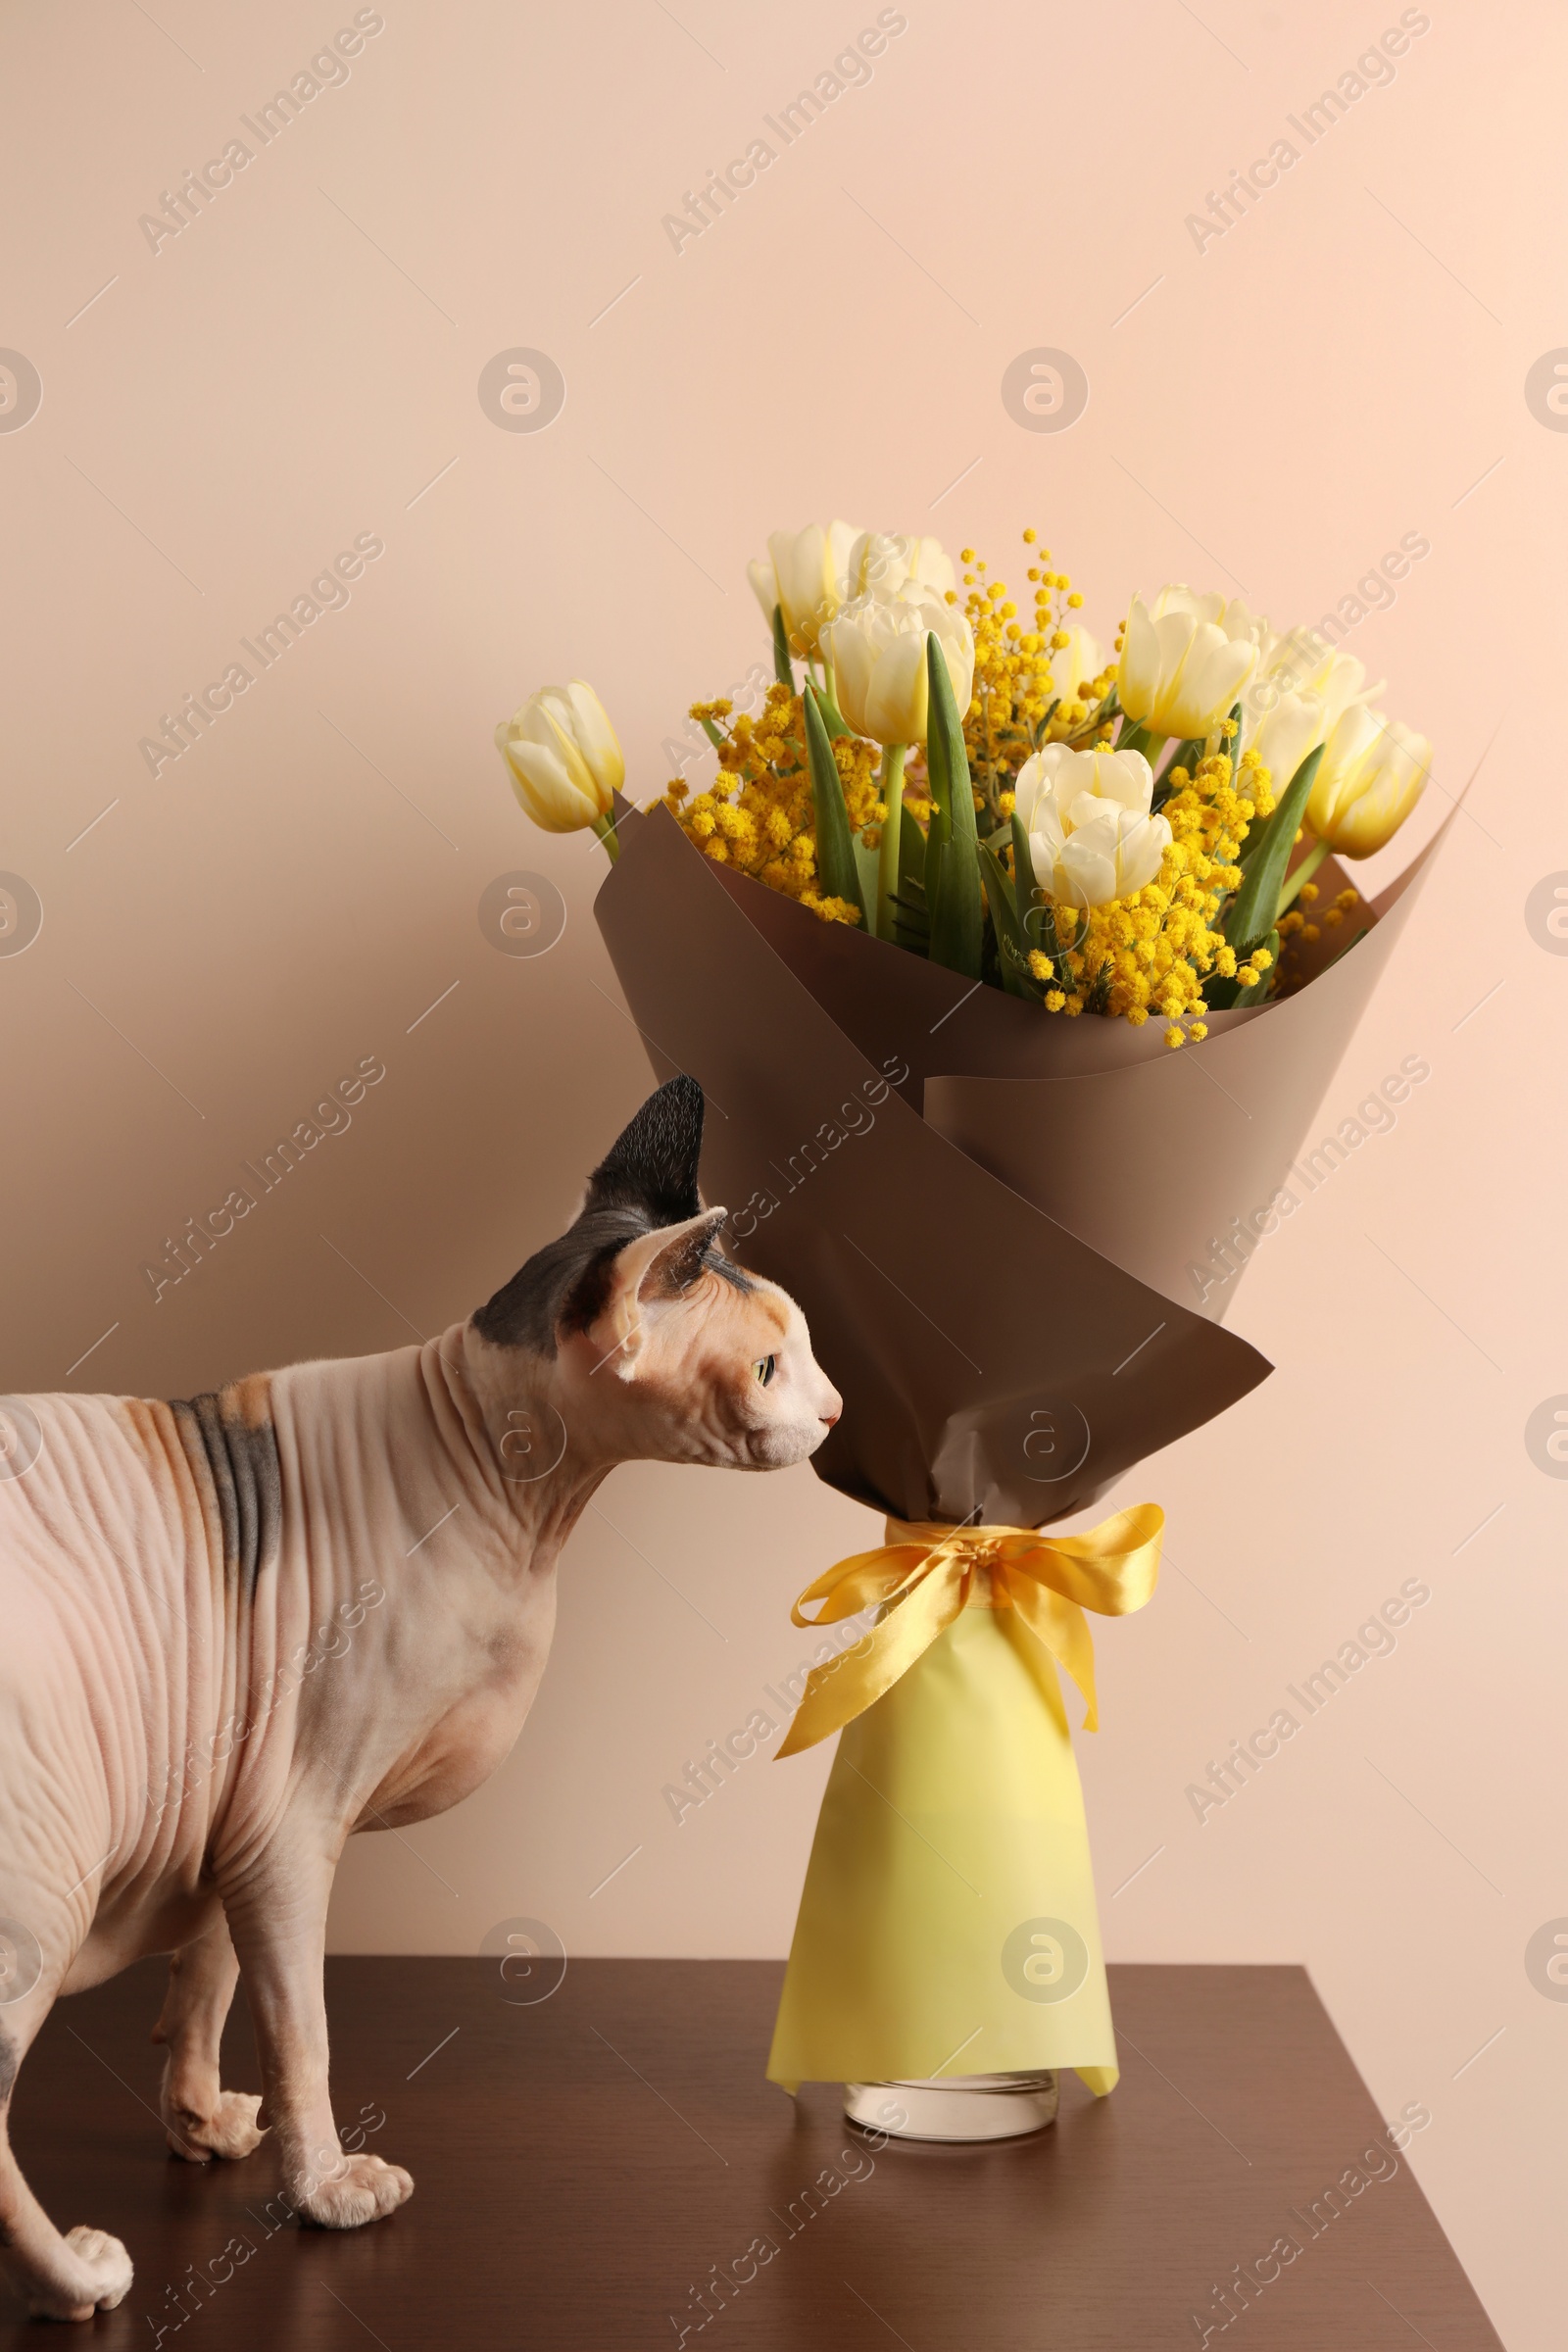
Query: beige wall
(1345, 364)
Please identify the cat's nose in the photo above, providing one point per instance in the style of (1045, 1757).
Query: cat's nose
(835, 1410)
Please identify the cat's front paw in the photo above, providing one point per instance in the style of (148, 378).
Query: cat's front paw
(363, 2188)
(96, 2276)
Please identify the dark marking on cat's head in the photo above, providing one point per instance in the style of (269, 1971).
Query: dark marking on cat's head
(231, 1448)
(648, 1177)
(8, 2067)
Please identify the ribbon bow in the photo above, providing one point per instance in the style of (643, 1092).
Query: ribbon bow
(927, 1574)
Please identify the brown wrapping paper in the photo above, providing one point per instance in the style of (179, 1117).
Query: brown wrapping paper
(1220, 1122)
(1001, 1286)
(994, 1365)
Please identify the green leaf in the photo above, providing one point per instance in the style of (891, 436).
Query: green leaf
(833, 717)
(1013, 947)
(1026, 889)
(957, 927)
(1252, 914)
(936, 831)
(867, 864)
(911, 853)
(957, 912)
(783, 667)
(947, 760)
(958, 920)
(837, 874)
(999, 892)
(715, 735)
(912, 924)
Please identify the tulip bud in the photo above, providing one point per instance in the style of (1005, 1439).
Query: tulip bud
(877, 648)
(883, 559)
(1372, 774)
(806, 575)
(1185, 660)
(564, 758)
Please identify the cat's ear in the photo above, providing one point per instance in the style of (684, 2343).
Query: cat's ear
(648, 1177)
(652, 1165)
(648, 1272)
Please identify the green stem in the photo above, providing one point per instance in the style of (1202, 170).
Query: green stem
(604, 827)
(1145, 740)
(1303, 874)
(891, 787)
(827, 696)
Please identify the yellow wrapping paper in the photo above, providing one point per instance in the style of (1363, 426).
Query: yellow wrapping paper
(947, 1924)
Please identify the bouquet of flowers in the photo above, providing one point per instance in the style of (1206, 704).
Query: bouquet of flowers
(943, 835)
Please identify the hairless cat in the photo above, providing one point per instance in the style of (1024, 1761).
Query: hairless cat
(319, 1601)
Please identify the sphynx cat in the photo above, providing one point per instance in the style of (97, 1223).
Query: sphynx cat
(237, 1629)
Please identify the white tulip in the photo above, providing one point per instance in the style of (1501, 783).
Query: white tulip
(1372, 774)
(1237, 620)
(1299, 691)
(564, 759)
(1068, 777)
(1303, 663)
(1294, 728)
(884, 559)
(1185, 660)
(1110, 857)
(876, 645)
(805, 573)
(1090, 836)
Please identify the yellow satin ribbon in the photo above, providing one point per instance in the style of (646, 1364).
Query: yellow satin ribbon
(925, 1574)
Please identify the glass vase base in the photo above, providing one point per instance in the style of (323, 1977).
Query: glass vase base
(959, 2107)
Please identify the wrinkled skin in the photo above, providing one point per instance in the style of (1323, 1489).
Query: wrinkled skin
(320, 1601)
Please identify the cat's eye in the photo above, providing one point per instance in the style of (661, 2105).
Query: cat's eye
(764, 1368)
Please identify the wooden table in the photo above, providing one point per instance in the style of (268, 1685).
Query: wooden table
(588, 2167)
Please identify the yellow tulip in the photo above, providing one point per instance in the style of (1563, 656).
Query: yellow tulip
(1372, 774)
(877, 648)
(1185, 660)
(564, 758)
(806, 573)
